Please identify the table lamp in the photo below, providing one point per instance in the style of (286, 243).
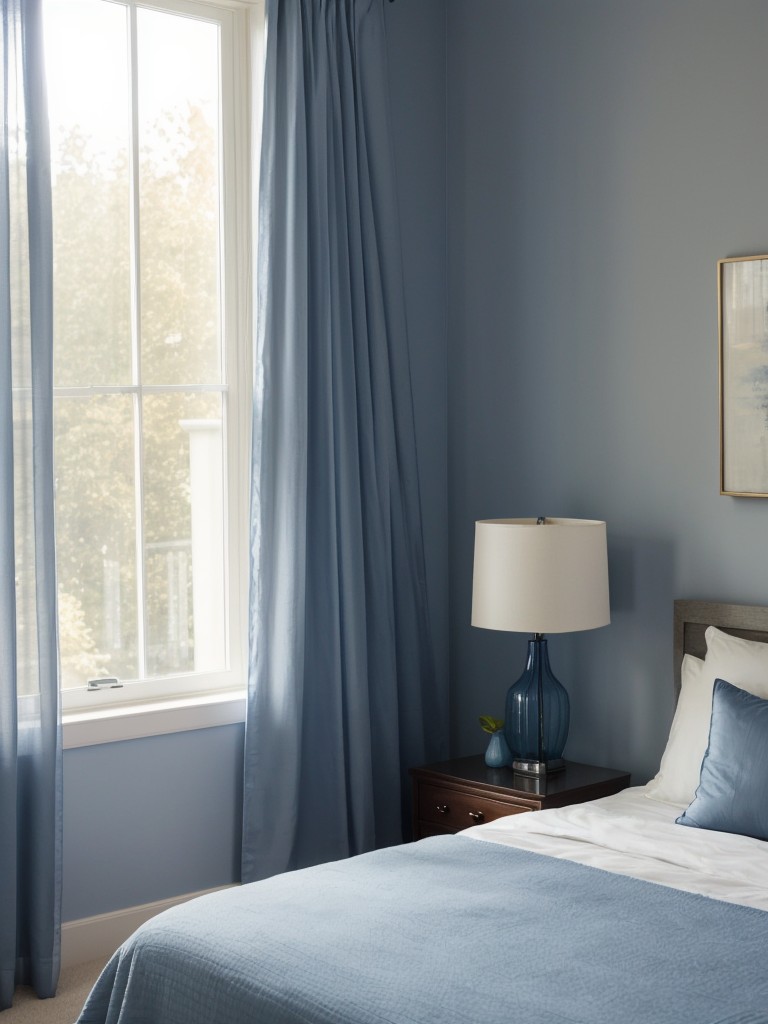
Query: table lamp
(539, 576)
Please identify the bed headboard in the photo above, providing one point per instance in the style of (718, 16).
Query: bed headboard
(693, 617)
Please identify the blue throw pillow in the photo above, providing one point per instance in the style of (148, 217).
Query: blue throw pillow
(733, 790)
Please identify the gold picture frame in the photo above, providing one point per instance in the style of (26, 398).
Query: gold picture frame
(742, 306)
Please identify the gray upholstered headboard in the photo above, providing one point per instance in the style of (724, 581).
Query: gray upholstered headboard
(693, 617)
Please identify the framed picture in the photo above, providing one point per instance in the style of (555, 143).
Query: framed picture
(743, 314)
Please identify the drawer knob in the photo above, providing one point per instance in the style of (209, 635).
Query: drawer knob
(443, 809)
(477, 816)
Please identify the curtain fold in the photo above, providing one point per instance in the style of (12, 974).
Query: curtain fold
(342, 690)
(30, 728)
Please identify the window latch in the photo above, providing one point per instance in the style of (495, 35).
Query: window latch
(110, 683)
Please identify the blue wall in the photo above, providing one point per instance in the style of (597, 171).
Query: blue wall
(602, 155)
(152, 818)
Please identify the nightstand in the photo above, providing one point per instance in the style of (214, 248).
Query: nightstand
(453, 795)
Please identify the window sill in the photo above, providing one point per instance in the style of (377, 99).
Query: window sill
(152, 718)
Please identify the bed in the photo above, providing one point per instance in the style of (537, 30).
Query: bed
(609, 912)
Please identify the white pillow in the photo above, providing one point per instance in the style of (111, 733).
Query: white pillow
(680, 765)
(741, 662)
(747, 659)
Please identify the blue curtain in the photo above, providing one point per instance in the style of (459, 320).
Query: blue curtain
(30, 731)
(342, 690)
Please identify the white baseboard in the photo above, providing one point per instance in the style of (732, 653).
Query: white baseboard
(91, 938)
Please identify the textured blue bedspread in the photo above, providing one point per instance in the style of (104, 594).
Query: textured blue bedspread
(446, 930)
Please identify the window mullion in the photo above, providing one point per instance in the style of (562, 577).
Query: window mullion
(138, 448)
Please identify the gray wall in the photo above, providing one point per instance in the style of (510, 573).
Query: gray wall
(602, 155)
(159, 817)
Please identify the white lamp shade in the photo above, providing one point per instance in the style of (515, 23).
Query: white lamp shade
(532, 578)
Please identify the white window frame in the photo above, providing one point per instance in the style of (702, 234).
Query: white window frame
(194, 700)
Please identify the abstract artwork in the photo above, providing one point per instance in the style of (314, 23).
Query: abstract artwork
(743, 310)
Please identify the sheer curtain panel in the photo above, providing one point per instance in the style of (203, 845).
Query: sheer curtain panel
(30, 731)
(342, 690)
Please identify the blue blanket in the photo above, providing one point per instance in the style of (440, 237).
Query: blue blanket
(443, 931)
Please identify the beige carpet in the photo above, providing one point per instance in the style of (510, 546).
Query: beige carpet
(74, 985)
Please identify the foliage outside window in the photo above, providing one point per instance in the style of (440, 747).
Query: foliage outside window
(148, 400)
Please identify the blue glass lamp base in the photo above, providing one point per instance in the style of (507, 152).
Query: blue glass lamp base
(537, 715)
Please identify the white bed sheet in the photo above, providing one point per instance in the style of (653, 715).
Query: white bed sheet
(630, 834)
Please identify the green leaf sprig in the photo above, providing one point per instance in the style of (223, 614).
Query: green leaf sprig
(489, 724)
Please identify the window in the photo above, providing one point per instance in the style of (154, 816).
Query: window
(148, 112)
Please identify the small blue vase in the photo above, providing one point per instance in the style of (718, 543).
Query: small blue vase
(497, 754)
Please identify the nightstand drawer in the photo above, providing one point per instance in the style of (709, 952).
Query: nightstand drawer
(453, 810)
(453, 795)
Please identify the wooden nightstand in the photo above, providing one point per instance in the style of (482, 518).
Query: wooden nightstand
(453, 795)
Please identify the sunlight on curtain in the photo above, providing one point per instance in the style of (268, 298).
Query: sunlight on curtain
(30, 732)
